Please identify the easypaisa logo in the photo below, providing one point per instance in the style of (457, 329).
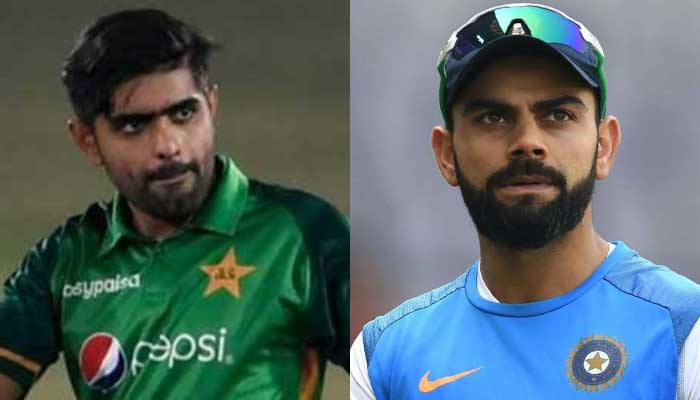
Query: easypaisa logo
(104, 364)
(92, 289)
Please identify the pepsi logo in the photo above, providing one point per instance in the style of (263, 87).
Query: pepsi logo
(102, 361)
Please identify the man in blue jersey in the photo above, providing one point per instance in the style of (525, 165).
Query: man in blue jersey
(551, 310)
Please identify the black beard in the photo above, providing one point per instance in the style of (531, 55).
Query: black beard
(175, 208)
(526, 226)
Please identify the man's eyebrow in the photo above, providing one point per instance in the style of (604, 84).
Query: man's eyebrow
(560, 101)
(487, 104)
(179, 105)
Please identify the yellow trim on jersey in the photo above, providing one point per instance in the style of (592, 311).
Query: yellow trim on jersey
(309, 374)
(24, 362)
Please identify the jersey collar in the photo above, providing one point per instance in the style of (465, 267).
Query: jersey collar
(224, 207)
(544, 306)
(220, 212)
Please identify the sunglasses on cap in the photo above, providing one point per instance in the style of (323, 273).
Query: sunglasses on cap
(550, 27)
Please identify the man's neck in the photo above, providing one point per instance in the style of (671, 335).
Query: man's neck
(522, 276)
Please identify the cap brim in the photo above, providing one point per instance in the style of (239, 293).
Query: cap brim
(504, 46)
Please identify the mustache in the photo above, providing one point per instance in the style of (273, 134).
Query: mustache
(167, 171)
(528, 166)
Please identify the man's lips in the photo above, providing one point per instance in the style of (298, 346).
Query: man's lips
(527, 180)
(526, 184)
(171, 179)
(170, 174)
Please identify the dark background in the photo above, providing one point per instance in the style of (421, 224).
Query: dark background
(283, 115)
(410, 229)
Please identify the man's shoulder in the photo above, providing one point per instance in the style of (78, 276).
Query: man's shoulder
(95, 217)
(309, 211)
(413, 309)
(636, 276)
(92, 221)
(77, 232)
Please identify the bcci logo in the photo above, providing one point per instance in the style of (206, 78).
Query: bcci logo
(596, 363)
(102, 362)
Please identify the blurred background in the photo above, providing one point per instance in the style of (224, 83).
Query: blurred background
(410, 230)
(283, 113)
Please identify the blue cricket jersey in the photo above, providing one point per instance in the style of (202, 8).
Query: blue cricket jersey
(618, 335)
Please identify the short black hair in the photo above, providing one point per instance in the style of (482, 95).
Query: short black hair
(120, 46)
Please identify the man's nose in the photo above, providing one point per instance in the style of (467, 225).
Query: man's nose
(528, 140)
(166, 138)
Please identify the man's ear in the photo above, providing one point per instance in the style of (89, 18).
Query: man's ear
(83, 136)
(213, 99)
(609, 135)
(441, 140)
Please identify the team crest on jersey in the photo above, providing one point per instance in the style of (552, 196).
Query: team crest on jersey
(596, 363)
(226, 275)
(102, 362)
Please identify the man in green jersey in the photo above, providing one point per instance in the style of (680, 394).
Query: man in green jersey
(194, 281)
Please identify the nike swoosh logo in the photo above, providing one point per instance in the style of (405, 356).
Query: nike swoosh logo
(427, 385)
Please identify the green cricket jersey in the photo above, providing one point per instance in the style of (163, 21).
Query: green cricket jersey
(247, 301)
